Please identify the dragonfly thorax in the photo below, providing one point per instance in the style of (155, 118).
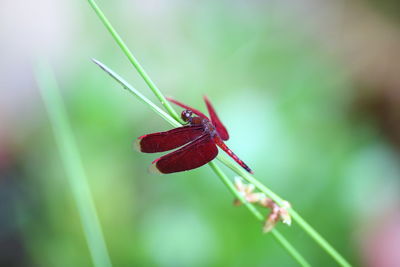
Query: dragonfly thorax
(209, 127)
(187, 116)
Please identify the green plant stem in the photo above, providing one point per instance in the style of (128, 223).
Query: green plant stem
(137, 94)
(295, 216)
(134, 61)
(277, 235)
(73, 165)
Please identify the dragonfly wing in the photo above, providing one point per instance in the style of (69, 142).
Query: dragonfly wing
(195, 111)
(164, 141)
(223, 133)
(191, 156)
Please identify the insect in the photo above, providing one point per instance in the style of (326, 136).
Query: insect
(198, 141)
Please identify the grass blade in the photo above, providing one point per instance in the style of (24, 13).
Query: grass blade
(295, 216)
(134, 61)
(277, 235)
(138, 95)
(73, 165)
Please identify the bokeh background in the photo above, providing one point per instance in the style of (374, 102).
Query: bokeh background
(309, 91)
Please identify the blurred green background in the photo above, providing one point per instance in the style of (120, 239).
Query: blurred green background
(308, 90)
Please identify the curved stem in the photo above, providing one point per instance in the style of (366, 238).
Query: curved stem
(295, 216)
(277, 235)
(137, 94)
(134, 61)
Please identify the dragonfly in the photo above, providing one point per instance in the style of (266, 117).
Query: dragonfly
(197, 141)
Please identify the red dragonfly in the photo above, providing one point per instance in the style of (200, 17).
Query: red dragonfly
(199, 139)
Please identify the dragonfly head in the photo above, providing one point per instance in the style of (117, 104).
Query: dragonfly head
(186, 115)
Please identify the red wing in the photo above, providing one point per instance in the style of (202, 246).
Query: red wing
(195, 111)
(191, 156)
(164, 141)
(223, 133)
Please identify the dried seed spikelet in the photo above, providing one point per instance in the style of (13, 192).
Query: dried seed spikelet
(277, 213)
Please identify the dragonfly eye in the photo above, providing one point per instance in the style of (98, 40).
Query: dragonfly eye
(186, 115)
